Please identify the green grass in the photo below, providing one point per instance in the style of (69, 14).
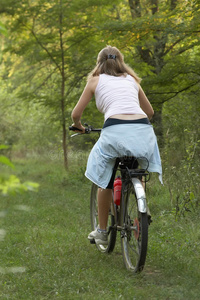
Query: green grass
(46, 239)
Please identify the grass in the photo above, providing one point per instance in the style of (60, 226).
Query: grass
(45, 253)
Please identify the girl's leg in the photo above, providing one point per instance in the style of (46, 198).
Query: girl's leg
(104, 203)
(105, 199)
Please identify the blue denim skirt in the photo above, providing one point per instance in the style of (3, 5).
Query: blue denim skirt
(119, 140)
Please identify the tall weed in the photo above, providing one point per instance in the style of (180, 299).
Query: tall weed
(182, 172)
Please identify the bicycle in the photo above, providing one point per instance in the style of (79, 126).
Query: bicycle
(131, 217)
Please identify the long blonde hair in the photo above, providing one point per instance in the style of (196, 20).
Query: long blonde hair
(111, 61)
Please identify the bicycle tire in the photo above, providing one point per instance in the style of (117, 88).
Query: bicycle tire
(94, 222)
(134, 235)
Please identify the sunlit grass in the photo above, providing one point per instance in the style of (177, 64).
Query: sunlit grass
(45, 254)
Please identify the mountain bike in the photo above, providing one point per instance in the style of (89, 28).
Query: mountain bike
(131, 218)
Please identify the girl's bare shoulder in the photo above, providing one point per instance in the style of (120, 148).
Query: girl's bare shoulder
(92, 82)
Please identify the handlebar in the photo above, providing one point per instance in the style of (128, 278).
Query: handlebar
(88, 129)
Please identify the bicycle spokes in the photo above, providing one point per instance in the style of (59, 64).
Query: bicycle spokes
(135, 233)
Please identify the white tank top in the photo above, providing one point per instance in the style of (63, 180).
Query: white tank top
(117, 95)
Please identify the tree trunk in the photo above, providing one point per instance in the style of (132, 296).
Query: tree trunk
(64, 144)
(154, 7)
(153, 56)
(135, 8)
(173, 4)
(64, 140)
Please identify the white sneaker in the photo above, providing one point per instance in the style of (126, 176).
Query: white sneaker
(101, 238)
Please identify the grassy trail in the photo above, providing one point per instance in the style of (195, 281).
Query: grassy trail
(45, 253)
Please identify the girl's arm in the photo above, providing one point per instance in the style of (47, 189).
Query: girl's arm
(83, 102)
(145, 104)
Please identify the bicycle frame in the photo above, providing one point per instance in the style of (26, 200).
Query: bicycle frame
(140, 195)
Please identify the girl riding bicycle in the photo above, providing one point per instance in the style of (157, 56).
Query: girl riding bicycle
(126, 130)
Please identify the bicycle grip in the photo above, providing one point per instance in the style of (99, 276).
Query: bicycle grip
(74, 128)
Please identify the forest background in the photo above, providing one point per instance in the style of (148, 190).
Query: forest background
(47, 49)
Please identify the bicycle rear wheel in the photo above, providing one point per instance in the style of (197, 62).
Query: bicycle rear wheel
(94, 222)
(134, 235)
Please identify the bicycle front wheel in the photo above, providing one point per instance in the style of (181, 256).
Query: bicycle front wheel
(134, 234)
(94, 222)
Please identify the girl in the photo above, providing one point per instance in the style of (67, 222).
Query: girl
(126, 130)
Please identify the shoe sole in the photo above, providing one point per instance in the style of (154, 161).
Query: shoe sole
(98, 241)
(101, 242)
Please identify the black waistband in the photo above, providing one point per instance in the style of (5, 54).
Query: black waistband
(112, 121)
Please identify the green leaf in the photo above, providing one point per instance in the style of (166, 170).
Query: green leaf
(4, 160)
(3, 29)
(3, 147)
(192, 196)
(12, 185)
(31, 186)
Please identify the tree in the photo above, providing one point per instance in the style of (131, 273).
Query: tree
(55, 44)
(159, 40)
(49, 40)
(172, 34)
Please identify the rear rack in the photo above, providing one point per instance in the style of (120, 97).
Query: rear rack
(138, 172)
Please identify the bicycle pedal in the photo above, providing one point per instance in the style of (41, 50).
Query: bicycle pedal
(92, 241)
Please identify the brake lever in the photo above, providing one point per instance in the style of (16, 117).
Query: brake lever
(75, 134)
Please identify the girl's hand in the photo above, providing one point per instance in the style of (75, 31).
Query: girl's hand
(80, 127)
